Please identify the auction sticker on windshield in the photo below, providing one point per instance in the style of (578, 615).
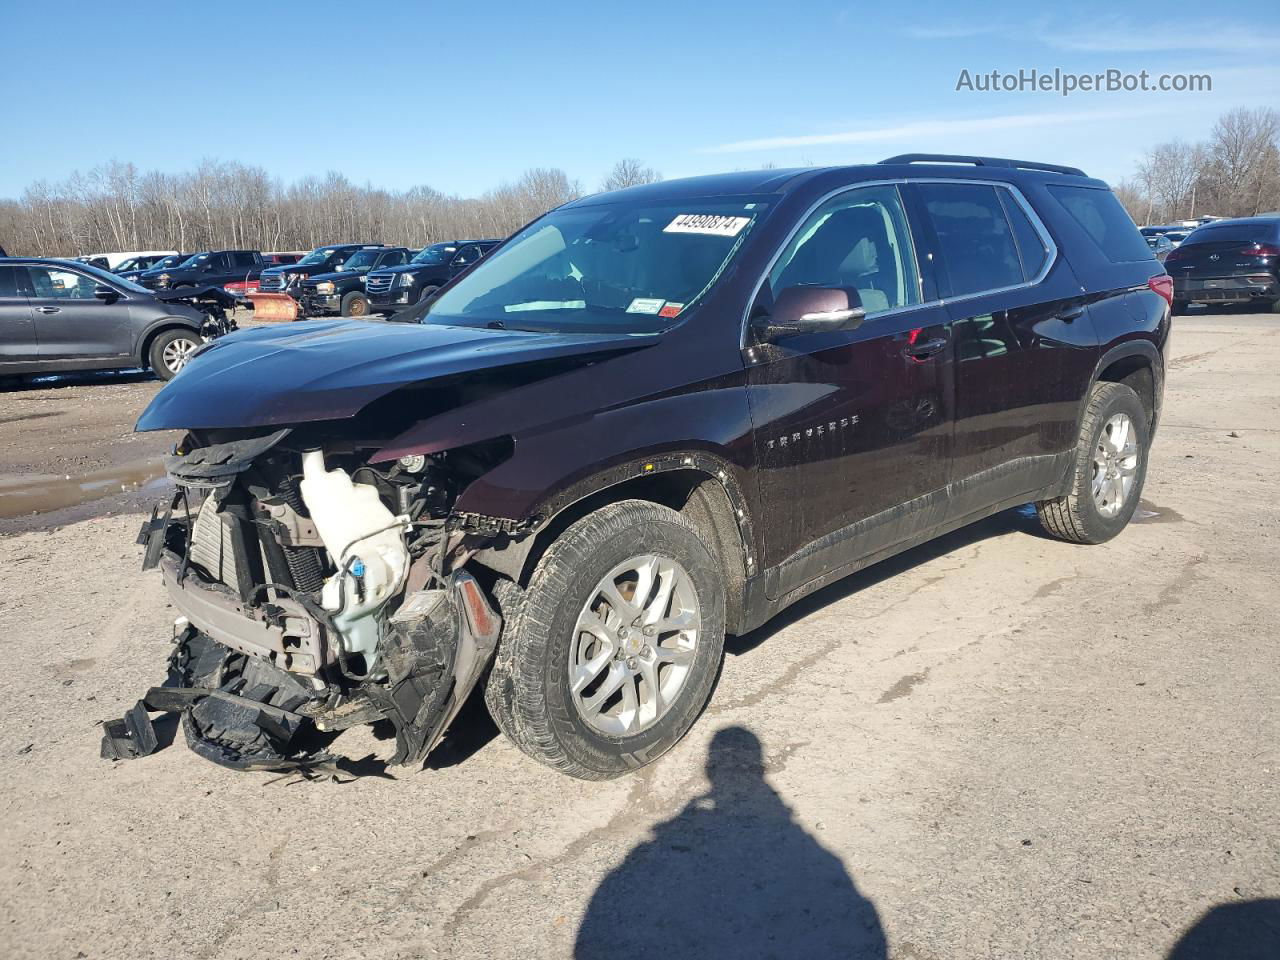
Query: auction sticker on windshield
(712, 224)
(645, 305)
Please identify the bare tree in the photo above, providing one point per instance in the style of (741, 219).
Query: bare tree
(629, 172)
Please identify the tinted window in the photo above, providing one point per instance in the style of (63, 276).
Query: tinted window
(860, 240)
(393, 259)
(8, 281)
(1105, 220)
(1031, 246)
(974, 237)
(57, 283)
(1235, 233)
(243, 258)
(468, 254)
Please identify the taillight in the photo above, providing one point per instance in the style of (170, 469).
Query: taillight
(1163, 285)
(1261, 250)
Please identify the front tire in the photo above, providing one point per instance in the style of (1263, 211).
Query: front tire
(1110, 468)
(428, 291)
(614, 648)
(355, 304)
(170, 352)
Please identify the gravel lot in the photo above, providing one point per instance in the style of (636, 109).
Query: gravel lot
(996, 745)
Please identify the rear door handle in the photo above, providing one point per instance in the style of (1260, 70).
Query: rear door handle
(48, 309)
(925, 349)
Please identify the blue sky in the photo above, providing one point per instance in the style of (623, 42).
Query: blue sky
(461, 96)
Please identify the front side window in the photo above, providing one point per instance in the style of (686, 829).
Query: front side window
(858, 240)
(974, 237)
(58, 284)
(610, 267)
(467, 256)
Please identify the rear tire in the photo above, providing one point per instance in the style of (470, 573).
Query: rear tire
(1110, 467)
(355, 304)
(1179, 307)
(1275, 306)
(170, 352)
(594, 694)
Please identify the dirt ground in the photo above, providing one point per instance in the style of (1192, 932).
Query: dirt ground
(996, 745)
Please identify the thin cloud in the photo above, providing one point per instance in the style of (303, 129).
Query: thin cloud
(925, 130)
(1117, 35)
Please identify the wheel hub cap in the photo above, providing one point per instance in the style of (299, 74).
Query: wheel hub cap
(633, 645)
(1115, 465)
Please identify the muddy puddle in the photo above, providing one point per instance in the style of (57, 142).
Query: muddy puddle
(22, 496)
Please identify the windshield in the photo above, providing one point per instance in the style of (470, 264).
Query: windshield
(195, 260)
(170, 261)
(319, 255)
(436, 253)
(362, 259)
(612, 267)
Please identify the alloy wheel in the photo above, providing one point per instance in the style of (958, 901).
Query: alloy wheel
(633, 645)
(1115, 464)
(177, 353)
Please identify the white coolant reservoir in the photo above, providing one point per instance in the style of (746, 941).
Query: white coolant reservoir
(366, 541)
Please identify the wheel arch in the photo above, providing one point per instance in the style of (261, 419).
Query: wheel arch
(143, 350)
(1139, 365)
(696, 485)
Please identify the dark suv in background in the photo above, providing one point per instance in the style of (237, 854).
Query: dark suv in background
(650, 418)
(160, 265)
(342, 291)
(1228, 261)
(432, 268)
(288, 278)
(213, 268)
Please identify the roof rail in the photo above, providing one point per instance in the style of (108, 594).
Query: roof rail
(985, 162)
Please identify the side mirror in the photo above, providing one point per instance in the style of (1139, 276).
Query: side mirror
(105, 293)
(810, 310)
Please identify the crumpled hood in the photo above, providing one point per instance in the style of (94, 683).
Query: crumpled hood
(326, 370)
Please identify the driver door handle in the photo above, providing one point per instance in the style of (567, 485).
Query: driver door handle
(48, 309)
(925, 349)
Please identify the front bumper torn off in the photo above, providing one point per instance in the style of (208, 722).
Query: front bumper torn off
(242, 711)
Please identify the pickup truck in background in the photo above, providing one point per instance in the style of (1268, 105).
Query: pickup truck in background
(342, 292)
(213, 268)
(399, 287)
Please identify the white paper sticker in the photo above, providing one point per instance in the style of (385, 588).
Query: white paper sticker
(712, 224)
(645, 305)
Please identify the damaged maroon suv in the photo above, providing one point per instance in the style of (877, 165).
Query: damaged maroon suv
(649, 419)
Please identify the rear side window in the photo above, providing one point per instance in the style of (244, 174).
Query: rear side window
(1105, 220)
(243, 258)
(1031, 246)
(974, 236)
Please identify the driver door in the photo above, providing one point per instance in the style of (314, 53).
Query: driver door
(852, 427)
(73, 324)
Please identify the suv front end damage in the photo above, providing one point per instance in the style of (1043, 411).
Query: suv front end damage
(315, 592)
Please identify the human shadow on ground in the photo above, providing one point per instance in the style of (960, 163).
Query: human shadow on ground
(1248, 930)
(731, 875)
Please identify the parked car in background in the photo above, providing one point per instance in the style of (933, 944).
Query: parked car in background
(434, 266)
(342, 291)
(114, 261)
(281, 259)
(140, 263)
(171, 260)
(1228, 261)
(1160, 245)
(68, 315)
(213, 268)
(288, 278)
(651, 417)
(1177, 236)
